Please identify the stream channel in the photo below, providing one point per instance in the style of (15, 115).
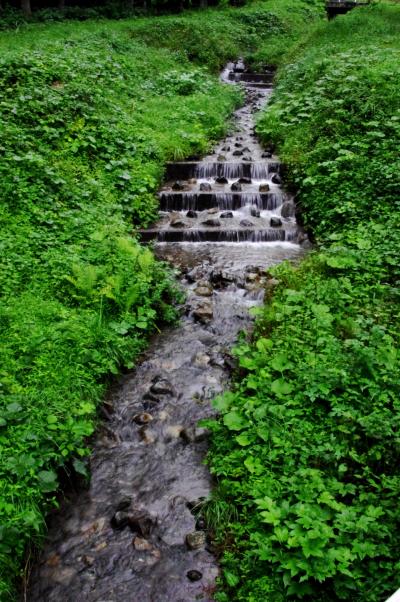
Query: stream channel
(132, 535)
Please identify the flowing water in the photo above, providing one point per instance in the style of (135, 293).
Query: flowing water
(132, 535)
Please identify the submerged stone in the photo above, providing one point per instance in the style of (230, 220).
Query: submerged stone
(194, 575)
(178, 185)
(213, 223)
(275, 222)
(162, 386)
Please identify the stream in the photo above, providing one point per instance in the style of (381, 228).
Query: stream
(132, 535)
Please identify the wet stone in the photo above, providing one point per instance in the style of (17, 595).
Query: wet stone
(276, 179)
(205, 187)
(254, 212)
(226, 215)
(248, 159)
(178, 185)
(191, 213)
(212, 223)
(244, 180)
(213, 211)
(124, 503)
(288, 209)
(201, 360)
(143, 418)
(275, 222)
(246, 223)
(221, 180)
(271, 283)
(176, 221)
(194, 434)
(147, 436)
(162, 386)
(194, 575)
(149, 401)
(196, 540)
(266, 155)
(120, 520)
(200, 524)
(204, 291)
(237, 153)
(141, 523)
(141, 544)
(204, 312)
(236, 187)
(264, 188)
(221, 158)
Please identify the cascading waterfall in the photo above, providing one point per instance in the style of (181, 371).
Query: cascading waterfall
(192, 201)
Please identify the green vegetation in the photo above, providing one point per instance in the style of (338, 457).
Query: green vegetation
(90, 112)
(307, 448)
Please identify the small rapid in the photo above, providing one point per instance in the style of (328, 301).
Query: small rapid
(132, 535)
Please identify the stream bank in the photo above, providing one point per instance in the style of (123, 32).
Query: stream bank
(132, 534)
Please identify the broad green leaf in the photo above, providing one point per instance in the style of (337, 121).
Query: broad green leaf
(234, 421)
(281, 387)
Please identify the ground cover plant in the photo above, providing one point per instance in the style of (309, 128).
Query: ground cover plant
(89, 113)
(306, 452)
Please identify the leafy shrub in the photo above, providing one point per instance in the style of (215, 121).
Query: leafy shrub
(83, 143)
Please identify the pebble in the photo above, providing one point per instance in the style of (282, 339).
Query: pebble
(143, 418)
(194, 575)
(204, 312)
(141, 544)
(124, 503)
(161, 386)
(194, 434)
(196, 540)
(147, 436)
(204, 291)
(201, 360)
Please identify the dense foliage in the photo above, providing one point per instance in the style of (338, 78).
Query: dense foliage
(89, 113)
(307, 449)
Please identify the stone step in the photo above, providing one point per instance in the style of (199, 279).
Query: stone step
(219, 235)
(261, 85)
(184, 201)
(252, 77)
(185, 170)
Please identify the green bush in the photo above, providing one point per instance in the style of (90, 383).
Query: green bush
(85, 131)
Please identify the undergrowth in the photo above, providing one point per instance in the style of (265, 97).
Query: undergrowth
(307, 447)
(89, 113)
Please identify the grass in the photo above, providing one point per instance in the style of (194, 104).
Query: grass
(90, 112)
(307, 448)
